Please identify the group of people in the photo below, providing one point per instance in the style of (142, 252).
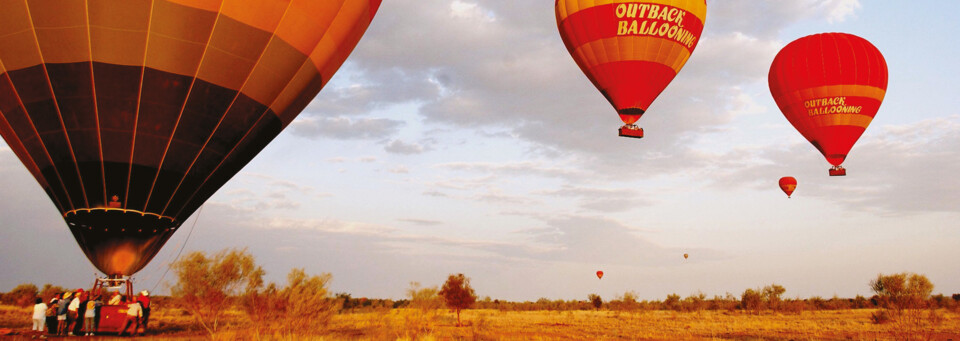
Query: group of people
(78, 313)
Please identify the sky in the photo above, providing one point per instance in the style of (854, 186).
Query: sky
(461, 137)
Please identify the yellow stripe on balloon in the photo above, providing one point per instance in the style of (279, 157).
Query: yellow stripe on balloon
(618, 49)
(856, 120)
(826, 91)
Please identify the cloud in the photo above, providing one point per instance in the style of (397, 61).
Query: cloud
(765, 19)
(400, 147)
(399, 169)
(604, 241)
(344, 128)
(421, 222)
(906, 168)
(601, 199)
(510, 168)
(500, 68)
(256, 192)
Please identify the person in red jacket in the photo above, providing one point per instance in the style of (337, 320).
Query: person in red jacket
(144, 300)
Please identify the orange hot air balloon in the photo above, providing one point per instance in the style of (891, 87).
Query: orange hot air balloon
(788, 184)
(631, 50)
(829, 86)
(130, 114)
(685, 256)
(600, 274)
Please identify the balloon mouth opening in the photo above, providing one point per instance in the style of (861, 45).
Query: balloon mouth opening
(119, 242)
(629, 116)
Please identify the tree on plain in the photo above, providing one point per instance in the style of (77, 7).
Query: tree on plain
(595, 300)
(902, 290)
(209, 286)
(457, 294)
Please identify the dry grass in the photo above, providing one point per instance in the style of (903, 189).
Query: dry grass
(653, 325)
(417, 324)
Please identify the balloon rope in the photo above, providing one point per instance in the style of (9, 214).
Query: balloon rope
(182, 246)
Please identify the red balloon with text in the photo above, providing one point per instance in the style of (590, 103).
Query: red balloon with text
(630, 50)
(829, 86)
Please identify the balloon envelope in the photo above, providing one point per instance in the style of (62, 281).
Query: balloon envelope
(600, 274)
(829, 86)
(685, 256)
(630, 51)
(788, 184)
(130, 114)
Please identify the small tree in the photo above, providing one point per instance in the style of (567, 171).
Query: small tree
(771, 294)
(595, 300)
(457, 294)
(209, 286)
(751, 300)
(308, 304)
(420, 319)
(672, 302)
(902, 290)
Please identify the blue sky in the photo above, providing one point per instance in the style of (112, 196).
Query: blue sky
(461, 137)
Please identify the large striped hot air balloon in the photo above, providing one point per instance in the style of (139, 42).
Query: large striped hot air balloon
(829, 86)
(631, 50)
(130, 114)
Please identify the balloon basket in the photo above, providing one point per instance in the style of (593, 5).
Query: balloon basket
(838, 171)
(631, 131)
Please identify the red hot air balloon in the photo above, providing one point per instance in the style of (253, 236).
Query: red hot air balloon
(130, 114)
(788, 184)
(630, 50)
(829, 86)
(600, 274)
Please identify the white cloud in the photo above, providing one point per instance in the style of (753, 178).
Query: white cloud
(839, 10)
(400, 147)
(399, 169)
(345, 128)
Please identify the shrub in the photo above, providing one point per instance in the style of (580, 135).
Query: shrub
(208, 286)
(595, 300)
(751, 300)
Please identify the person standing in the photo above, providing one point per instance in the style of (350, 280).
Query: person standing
(134, 312)
(39, 317)
(81, 311)
(62, 305)
(52, 315)
(144, 300)
(90, 315)
(73, 313)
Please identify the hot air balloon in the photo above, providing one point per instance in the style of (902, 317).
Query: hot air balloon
(600, 274)
(130, 114)
(630, 50)
(685, 256)
(829, 86)
(788, 184)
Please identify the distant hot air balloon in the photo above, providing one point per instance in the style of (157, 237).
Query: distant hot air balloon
(630, 50)
(685, 256)
(130, 114)
(600, 274)
(829, 86)
(788, 184)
